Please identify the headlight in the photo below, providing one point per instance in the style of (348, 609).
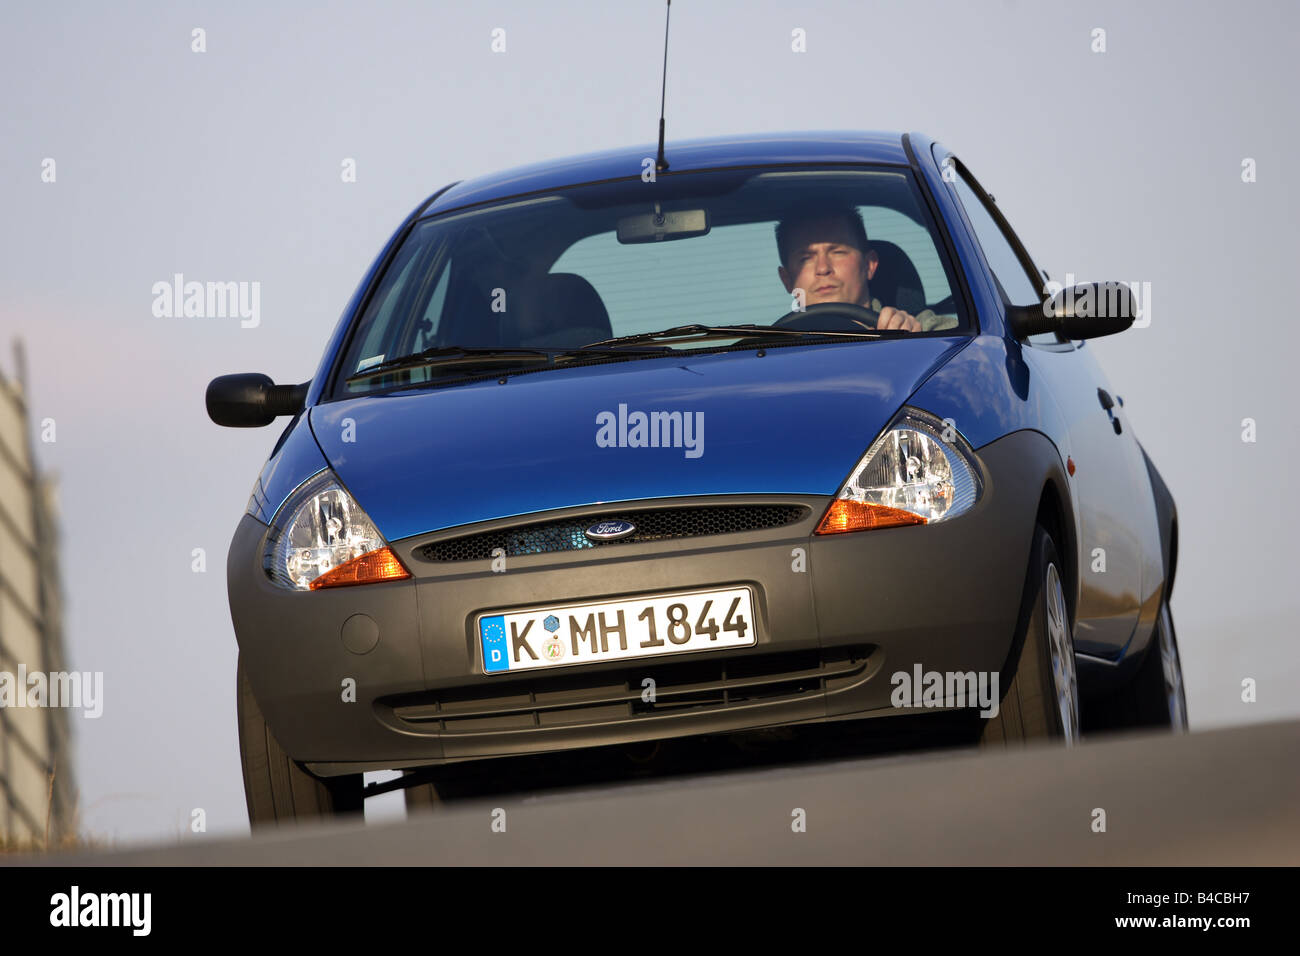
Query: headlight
(320, 538)
(918, 472)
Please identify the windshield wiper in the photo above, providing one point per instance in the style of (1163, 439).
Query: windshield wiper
(454, 355)
(463, 358)
(747, 331)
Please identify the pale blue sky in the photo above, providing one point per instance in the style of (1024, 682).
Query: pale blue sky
(225, 165)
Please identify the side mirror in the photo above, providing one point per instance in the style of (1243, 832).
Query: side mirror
(1083, 311)
(252, 400)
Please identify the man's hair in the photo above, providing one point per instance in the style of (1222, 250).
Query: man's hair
(812, 213)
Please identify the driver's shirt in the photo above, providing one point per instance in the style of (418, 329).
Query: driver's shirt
(929, 320)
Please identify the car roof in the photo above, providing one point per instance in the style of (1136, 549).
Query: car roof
(759, 149)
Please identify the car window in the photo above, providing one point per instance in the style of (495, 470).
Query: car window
(1015, 283)
(736, 278)
(378, 339)
(567, 269)
(640, 285)
(427, 332)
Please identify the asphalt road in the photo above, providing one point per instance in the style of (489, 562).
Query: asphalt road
(1222, 797)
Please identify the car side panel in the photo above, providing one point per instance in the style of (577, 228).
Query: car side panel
(1147, 528)
(1110, 541)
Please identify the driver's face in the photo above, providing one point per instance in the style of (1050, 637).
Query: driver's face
(827, 264)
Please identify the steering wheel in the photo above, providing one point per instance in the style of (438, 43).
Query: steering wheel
(847, 318)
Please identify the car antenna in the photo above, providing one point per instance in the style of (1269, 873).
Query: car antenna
(661, 163)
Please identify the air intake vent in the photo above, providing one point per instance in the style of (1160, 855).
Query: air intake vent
(610, 697)
(652, 525)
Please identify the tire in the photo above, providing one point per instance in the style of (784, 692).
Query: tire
(276, 788)
(1042, 699)
(1155, 697)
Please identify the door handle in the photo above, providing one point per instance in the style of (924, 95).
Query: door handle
(1108, 403)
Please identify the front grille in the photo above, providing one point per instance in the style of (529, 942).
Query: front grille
(559, 700)
(657, 524)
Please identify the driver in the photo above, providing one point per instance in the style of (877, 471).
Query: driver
(825, 253)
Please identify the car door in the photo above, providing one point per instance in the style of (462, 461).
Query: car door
(1106, 478)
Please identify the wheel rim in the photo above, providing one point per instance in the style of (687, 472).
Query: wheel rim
(1173, 671)
(1064, 676)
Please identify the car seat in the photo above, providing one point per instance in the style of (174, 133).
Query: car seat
(558, 310)
(896, 283)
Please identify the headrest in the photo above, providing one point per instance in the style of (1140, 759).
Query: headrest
(559, 310)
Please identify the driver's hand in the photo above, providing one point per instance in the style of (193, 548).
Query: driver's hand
(891, 318)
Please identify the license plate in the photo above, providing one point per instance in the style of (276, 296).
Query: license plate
(568, 634)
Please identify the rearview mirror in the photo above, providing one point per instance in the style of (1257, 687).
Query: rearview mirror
(252, 400)
(1083, 311)
(658, 226)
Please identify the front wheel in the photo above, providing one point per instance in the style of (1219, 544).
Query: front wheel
(276, 787)
(1042, 700)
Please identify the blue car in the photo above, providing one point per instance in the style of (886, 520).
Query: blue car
(766, 432)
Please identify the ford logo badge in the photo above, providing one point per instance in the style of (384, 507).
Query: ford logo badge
(610, 530)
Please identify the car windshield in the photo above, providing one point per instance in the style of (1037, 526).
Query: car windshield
(789, 248)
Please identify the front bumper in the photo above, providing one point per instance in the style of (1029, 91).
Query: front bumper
(406, 688)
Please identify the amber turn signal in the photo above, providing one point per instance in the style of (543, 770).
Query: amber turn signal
(844, 514)
(373, 566)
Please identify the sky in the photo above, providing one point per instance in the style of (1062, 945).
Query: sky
(226, 165)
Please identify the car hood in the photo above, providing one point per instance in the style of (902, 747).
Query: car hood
(793, 421)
